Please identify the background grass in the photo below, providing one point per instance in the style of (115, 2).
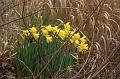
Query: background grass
(98, 21)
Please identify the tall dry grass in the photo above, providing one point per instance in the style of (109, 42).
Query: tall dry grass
(98, 20)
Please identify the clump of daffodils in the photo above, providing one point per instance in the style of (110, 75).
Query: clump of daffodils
(79, 42)
(30, 33)
(62, 33)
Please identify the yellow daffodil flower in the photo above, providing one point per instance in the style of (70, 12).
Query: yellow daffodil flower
(58, 30)
(77, 42)
(83, 40)
(49, 39)
(67, 26)
(49, 28)
(62, 34)
(33, 30)
(36, 36)
(55, 29)
(71, 33)
(67, 32)
(75, 37)
(82, 47)
(44, 31)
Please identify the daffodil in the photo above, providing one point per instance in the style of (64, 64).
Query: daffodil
(33, 30)
(83, 40)
(36, 36)
(55, 29)
(67, 32)
(77, 42)
(82, 47)
(44, 31)
(71, 33)
(62, 34)
(75, 37)
(49, 39)
(67, 26)
(49, 28)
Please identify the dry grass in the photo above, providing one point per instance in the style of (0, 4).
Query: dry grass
(100, 24)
